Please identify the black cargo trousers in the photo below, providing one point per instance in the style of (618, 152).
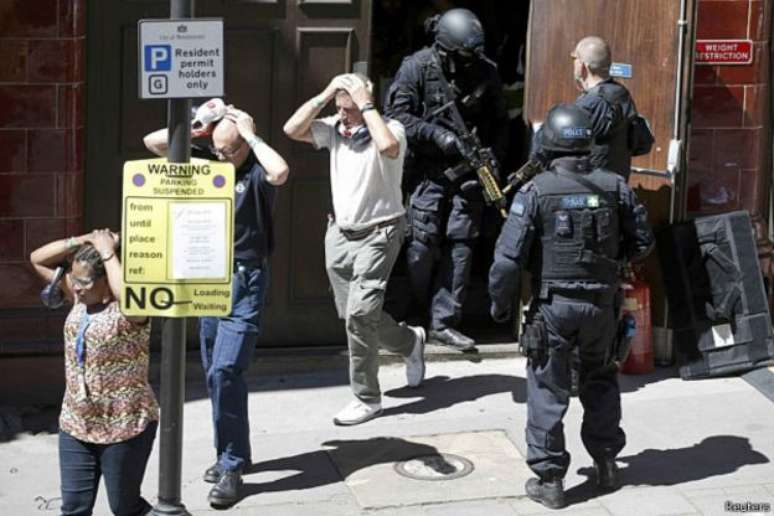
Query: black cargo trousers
(587, 320)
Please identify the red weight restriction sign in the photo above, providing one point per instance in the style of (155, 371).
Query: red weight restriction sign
(724, 51)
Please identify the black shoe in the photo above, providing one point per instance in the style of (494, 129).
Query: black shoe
(212, 474)
(453, 339)
(550, 494)
(226, 492)
(607, 475)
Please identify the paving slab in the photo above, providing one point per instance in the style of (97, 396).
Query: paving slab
(368, 469)
(647, 502)
(525, 506)
(476, 508)
(572, 511)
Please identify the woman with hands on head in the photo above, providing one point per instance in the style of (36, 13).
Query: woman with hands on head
(109, 412)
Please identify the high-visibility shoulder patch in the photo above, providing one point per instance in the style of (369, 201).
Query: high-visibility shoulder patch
(518, 209)
(578, 202)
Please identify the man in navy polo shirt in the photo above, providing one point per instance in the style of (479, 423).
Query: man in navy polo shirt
(227, 343)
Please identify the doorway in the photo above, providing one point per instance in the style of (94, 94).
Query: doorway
(398, 30)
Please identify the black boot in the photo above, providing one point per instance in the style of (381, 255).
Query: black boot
(212, 474)
(607, 475)
(550, 494)
(226, 492)
(453, 339)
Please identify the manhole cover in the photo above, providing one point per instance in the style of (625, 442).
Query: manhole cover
(441, 466)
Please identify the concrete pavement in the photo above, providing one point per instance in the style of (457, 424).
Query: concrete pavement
(692, 446)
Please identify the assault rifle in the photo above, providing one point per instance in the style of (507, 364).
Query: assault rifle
(522, 176)
(476, 157)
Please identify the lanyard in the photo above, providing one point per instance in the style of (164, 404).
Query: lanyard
(80, 345)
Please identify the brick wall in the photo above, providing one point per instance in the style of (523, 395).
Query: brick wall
(730, 149)
(42, 118)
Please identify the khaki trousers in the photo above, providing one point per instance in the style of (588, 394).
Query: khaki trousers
(358, 271)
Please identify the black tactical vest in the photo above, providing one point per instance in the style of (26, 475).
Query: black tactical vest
(433, 97)
(612, 152)
(580, 226)
(433, 92)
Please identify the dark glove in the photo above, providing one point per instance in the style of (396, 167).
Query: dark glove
(499, 314)
(471, 190)
(494, 164)
(448, 143)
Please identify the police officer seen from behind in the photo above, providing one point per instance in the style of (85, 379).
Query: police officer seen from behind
(610, 107)
(446, 213)
(572, 227)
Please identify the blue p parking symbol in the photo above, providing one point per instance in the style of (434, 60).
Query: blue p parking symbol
(158, 58)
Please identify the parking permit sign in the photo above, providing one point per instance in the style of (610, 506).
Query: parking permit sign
(180, 58)
(177, 227)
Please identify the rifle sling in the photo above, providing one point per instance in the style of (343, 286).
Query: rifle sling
(454, 111)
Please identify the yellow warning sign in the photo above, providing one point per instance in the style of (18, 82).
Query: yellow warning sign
(177, 235)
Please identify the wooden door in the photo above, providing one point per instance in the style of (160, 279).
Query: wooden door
(641, 33)
(278, 54)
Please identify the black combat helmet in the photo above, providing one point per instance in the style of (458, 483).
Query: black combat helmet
(566, 130)
(460, 31)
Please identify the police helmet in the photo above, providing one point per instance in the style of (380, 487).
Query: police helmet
(567, 129)
(460, 31)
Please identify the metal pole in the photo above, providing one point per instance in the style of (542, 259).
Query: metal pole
(678, 179)
(682, 27)
(173, 330)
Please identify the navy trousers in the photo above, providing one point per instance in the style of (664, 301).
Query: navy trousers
(227, 346)
(444, 227)
(589, 324)
(122, 465)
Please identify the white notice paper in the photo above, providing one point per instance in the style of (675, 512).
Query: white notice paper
(198, 240)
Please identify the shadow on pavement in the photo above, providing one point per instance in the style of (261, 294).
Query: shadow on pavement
(717, 455)
(635, 382)
(32, 419)
(440, 392)
(260, 381)
(340, 460)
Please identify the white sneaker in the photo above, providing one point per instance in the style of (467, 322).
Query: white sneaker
(415, 362)
(357, 412)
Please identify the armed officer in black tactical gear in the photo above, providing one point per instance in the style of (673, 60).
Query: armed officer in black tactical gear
(446, 213)
(572, 227)
(608, 104)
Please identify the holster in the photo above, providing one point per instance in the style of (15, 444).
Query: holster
(534, 338)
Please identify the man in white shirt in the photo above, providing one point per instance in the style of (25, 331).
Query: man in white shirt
(365, 236)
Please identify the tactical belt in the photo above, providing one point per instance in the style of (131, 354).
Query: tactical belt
(360, 234)
(598, 297)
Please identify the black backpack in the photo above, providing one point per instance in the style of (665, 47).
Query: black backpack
(640, 137)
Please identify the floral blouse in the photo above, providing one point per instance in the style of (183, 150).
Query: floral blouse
(107, 395)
